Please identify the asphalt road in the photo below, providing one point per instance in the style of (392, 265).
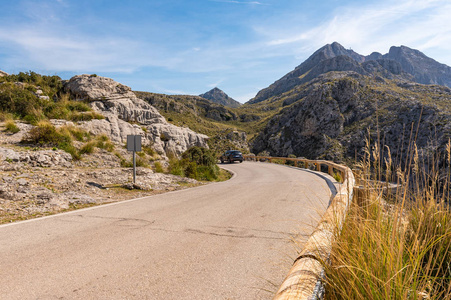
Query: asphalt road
(228, 240)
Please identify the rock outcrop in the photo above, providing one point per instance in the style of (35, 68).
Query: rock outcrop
(216, 95)
(2, 73)
(342, 109)
(45, 159)
(230, 139)
(127, 114)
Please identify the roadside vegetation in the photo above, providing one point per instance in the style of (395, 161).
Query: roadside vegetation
(396, 245)
(45, 134)
(32, 98)
(198, 163)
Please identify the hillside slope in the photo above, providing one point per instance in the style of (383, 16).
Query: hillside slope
(331, 116)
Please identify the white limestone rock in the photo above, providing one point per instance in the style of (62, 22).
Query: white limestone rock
(127, 114)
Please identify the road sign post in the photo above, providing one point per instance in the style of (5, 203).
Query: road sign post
(134, 144)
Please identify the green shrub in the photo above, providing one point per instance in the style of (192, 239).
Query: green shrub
(158, 167)
(88, 148)
(77, 133)
(5, 116)
(197, 162)
(11, 127)
(149, 150)
(103, 138)
(15, 99)
(176, 168)
(20, 99)
(66, 109)
(337, 177)
(106, 145)
(191, 170)
(129, 163)
(290, 162)
(200, 156)
(77, 106)
(278, 161)
(45, 134)
(85, 116)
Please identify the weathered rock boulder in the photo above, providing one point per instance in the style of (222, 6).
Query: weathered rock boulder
(44, 158)
(127, 114)
(2, 73)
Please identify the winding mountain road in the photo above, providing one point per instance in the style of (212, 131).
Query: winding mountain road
(228, 240)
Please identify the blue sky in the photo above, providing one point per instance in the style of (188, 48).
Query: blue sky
(191, 46)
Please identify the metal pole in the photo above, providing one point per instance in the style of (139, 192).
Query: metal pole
(134, 167)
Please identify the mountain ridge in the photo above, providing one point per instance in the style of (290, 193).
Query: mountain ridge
(401, 62)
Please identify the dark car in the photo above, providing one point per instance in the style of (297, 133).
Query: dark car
(232, 156)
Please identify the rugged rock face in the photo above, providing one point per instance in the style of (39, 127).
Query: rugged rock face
(3, 73)
(230, 139)
(342, 109)
(127, 114)
(218, 96)
(423, 69)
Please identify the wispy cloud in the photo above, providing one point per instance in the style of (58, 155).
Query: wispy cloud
(216, 83)
(421, 24)
(239, 2)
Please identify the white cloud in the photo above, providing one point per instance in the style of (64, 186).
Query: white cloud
(215, 84)
(418, 24)
(61, 52)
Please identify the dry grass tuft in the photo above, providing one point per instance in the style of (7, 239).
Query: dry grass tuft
(396, 246)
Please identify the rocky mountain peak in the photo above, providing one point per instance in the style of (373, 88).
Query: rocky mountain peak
(335, 49)
(218, 96)
(3, 73)
(400, 62)
(331, 57)
(424, 69)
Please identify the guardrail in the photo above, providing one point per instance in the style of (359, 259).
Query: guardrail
(305, 279)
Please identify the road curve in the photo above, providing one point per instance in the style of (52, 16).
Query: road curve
(228, 240)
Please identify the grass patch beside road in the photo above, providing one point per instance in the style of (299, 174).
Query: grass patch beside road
(396, 246)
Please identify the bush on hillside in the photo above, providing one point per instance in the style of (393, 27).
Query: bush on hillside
(11, 127)
(19, 101)
(45, 134)
(50, 85)
(197, 163)
(17, 97)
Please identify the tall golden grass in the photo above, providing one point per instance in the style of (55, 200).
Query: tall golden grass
(396, 245)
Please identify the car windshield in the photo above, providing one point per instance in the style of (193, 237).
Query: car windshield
(235, 152)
